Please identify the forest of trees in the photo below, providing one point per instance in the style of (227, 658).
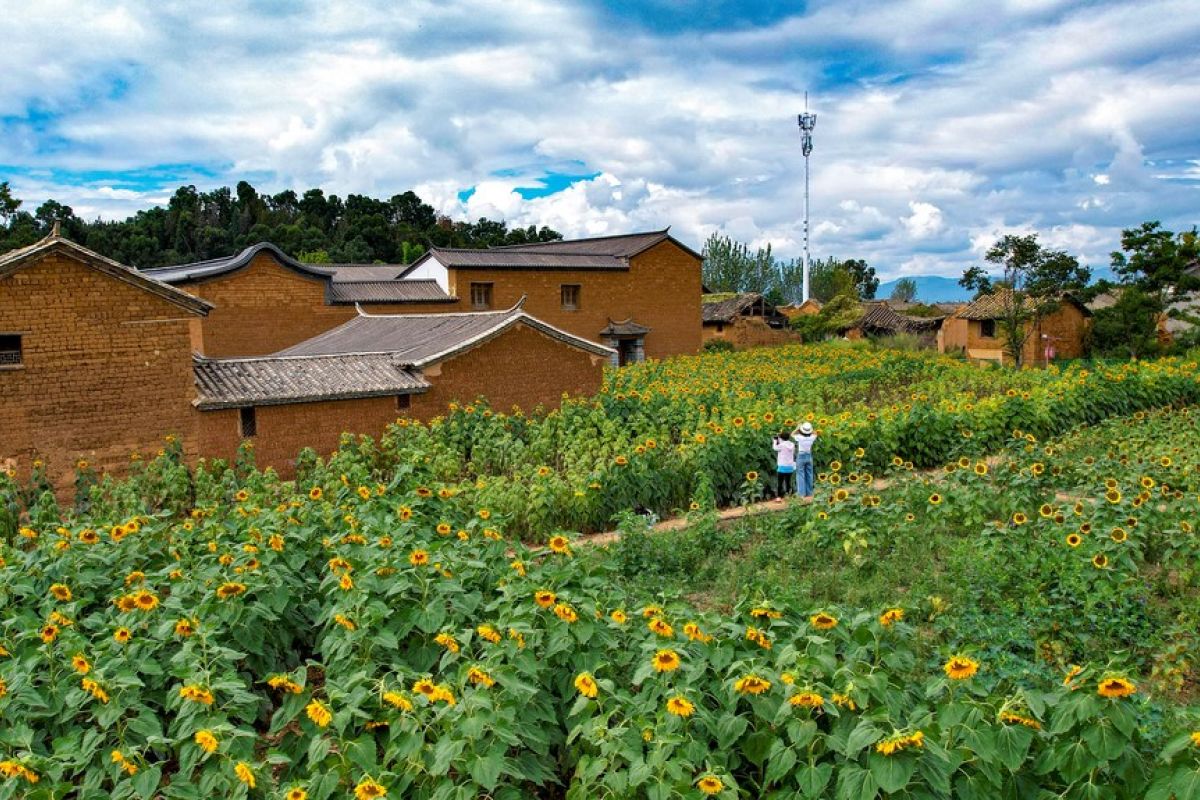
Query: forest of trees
(313, 226)
(730, 266)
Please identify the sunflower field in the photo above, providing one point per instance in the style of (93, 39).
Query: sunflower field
(383, 626)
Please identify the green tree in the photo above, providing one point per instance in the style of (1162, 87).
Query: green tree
(730, 266)
(1129, 327)
(905, 290)
(1031, 285)
(314, 257)
(8, 204)
(830, 277)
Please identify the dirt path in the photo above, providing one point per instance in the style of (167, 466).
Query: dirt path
(727, 516)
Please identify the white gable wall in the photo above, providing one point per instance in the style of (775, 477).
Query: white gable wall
(432, 268)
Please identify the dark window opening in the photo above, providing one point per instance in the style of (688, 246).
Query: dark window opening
(403, 402)
(10, 350)
(720, 327)
(247, 422)
(481, 296)
(987, 328)
(570, 296)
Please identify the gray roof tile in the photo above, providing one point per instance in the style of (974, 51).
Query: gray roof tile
(270, 380)
(388, 291)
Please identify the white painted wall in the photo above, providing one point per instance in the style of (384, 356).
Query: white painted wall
(432, 268)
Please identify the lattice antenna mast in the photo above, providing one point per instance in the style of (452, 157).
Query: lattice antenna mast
(807, 123)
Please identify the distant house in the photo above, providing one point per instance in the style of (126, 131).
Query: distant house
(264, 300)
(638, 293)
(810, 306)
(1175, 322)
(744, 320)
(372, 369)
(880, 318)
(975, 331)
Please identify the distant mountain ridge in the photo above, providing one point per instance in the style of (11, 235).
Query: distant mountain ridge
(938, 288)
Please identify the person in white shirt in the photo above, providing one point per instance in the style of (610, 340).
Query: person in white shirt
(785, 464)
(805, 439)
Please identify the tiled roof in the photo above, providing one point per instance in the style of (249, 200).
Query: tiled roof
(725, 310)
(880, 316)
(203, 270)
(352, 273)
(626, 327)
(14, 260)
(498, 258)
(387, 291)
(422, 339)
(991, 306)
(271, 380)
(619, 246)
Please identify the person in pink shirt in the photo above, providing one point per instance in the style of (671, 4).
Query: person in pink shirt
(785, 464)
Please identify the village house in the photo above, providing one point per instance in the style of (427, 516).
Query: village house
(744, 320)
(637, 293)
(374, 368)
(884, 318)
(98, 361)
(975, 332)
(95, 360)
(809, 307)
(264, 300)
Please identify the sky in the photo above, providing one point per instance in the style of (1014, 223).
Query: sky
(940, 125)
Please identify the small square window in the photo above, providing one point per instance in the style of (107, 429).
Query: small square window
(10, 350)
(481, 296)
(570, 296)
(403, 402)
(987, 328)
(247, 422)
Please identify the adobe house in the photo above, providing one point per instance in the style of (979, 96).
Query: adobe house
(373, 369)
(637, 293)
(95, 359)
(744, 320)
(975, 331)
(810, 306)
(881, 318)
(264, 300)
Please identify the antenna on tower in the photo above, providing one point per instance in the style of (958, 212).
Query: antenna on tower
(807, 123)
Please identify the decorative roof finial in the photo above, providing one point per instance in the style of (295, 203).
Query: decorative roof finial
(55, 231)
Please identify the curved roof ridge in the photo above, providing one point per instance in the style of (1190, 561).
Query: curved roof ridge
(214, 267)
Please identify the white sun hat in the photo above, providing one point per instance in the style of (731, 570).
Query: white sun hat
(806, 428)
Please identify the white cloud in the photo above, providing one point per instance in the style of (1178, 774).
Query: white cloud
(1025, 115)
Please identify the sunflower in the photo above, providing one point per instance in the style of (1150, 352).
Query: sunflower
(564, 612)
(751, 684)
(368, 789)
(1099, 561)
(585, 684)
(48, 633)
(1074, 540)
(228, 590)
(621, 461)
(618, 616)
(61, 592)
(1017, 719)
(935, 499)
(666, 661)
(146, 601)
(319, 713)
(680, 706)
(1112, 496)
(959, 668)
(560, 544)
(296, 793)
(751, 476)
(444, 528)
(122, 635)
(544, 598)
(418, 558)
(315, 493)
(806, 700)
(1037, 468)
(661, 627)
(1114, 686)
(244, 773)
(479, 677)
(1019, 518)
(823, 621)
(1118, 535)
(892, 615)
(1046, 511)
(840, 495)
(447, 641)
(206, 741)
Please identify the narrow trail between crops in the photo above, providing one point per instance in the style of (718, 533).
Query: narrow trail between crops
(727, 516)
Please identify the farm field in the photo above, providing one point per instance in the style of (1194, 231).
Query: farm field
(1015, 626)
